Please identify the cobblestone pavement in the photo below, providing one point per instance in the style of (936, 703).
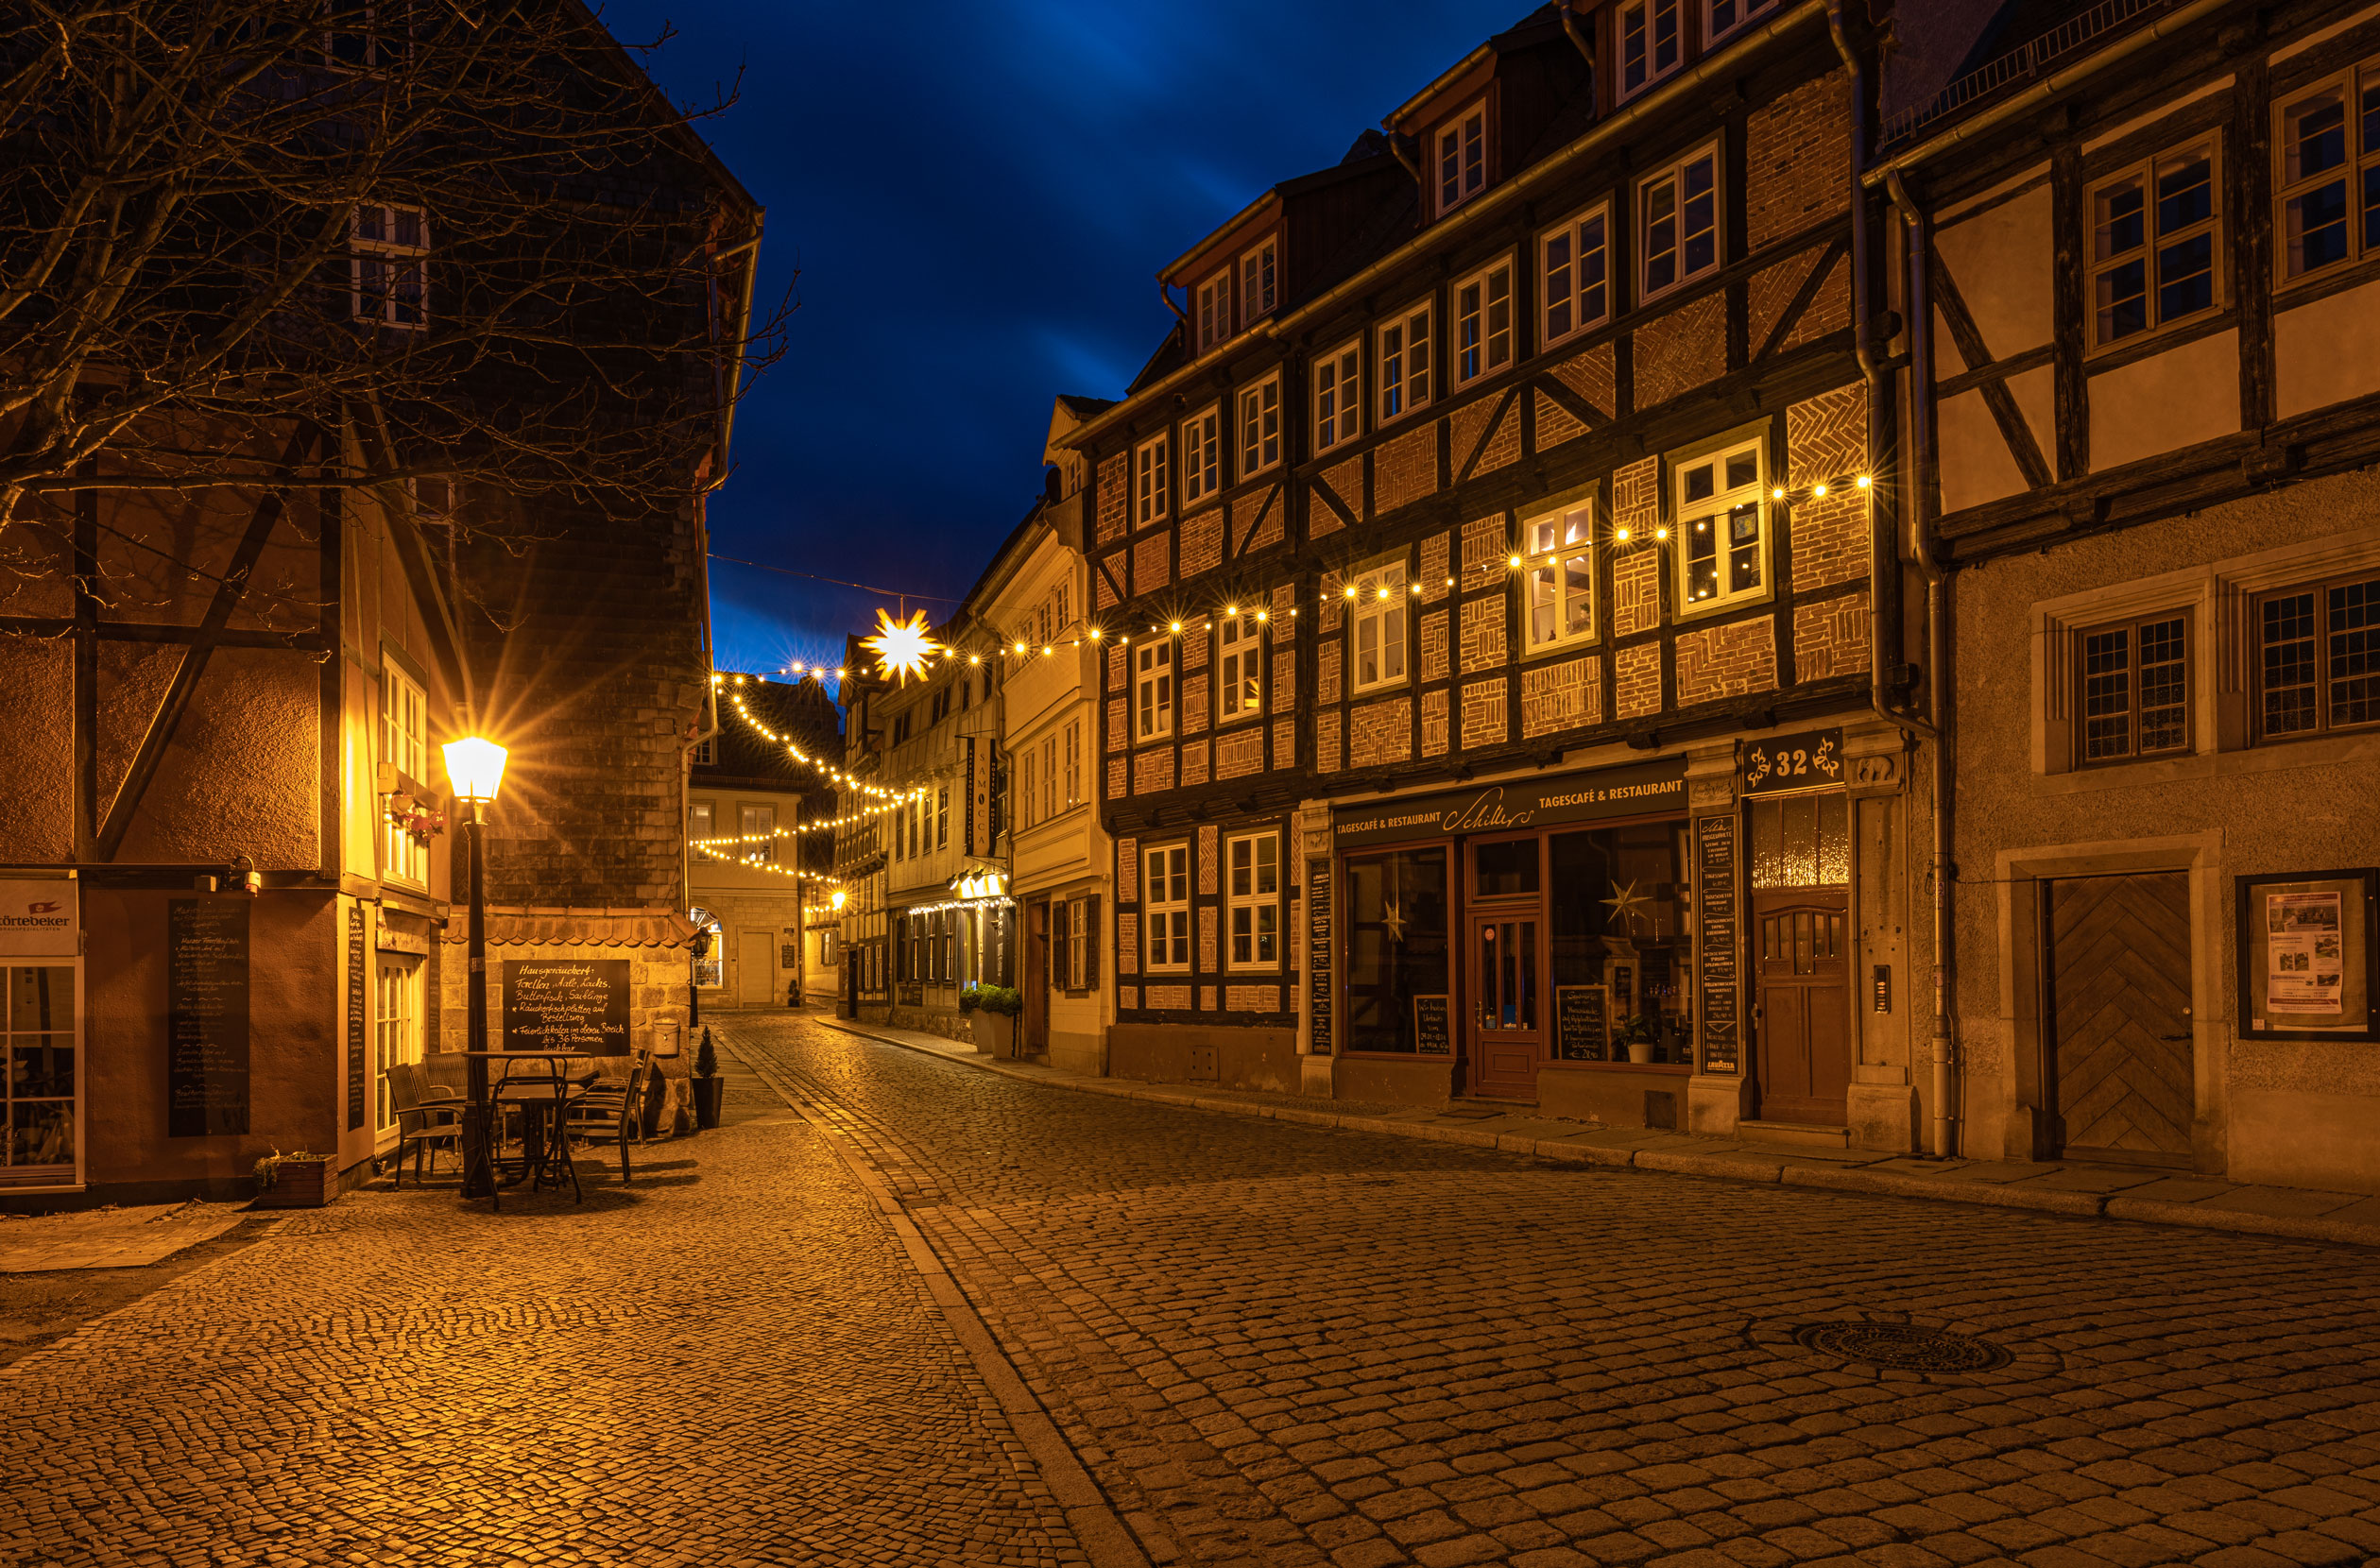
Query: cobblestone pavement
(1286, 1345)
(731, 1361)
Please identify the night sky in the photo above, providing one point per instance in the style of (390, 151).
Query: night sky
(976, 200)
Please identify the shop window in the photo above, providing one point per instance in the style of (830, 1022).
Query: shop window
(1254, 898)
(1561, 577)
(1504, 869)
(2318, 659)
(1153, 688)
(1801, 842)
(396, 1030)
(1574, 276)
(1484, 323)
(2329, 179)
(2136, 690)
(1396, 939)
(1618, 917)
(1722, 525)
(41, 1088)
(2156, 244)
(1378, 613)
(1239, 666)
(1165, 907)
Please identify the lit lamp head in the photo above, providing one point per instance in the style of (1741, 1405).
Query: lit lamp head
(839, 898)
(475, 767)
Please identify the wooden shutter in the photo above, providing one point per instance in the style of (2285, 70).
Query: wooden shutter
(1092, 934)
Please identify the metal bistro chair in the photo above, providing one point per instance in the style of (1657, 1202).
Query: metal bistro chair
(613, 1109)
(428, 1118)
(539, 1090)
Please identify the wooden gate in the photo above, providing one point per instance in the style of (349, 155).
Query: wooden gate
(2121, 1069)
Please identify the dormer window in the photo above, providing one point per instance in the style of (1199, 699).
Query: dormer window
(1259, 272)
(1650, 44)
(1462, 157)
(1722, 17)
(1214, 309)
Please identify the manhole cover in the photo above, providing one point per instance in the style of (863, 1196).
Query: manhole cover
(1903, 1347)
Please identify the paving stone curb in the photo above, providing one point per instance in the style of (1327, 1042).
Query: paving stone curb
(1773, 1168)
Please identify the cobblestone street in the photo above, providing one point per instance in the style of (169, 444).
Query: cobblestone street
(1268, 1343)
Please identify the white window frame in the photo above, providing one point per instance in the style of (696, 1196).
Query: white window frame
(1381, 617)
(1458, 158)
(1152, 483)
(1339, 395)
(1568, 286)
(1049, 775)
(707, 752)
(1723, 17)
(1674, 178)
(1700, 518)
(2156, 243)
(1400, 348)
(1152, 683)
(2358, 152)
(1260, 426)
(387, 278)
(1484, 329)
(1559, 549)
(1202, 455)
(1640, 22)
(1073, 763)
(1078, 936)
(1260, 281)
(404, 717)
(397, 1007)
(1238, 668)
(1165, 907)
(751, 819)
(701, 820)
(1252, 900)
(1214, 309)
(1025, 796)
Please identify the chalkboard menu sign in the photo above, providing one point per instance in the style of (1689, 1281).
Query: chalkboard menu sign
(1433, 1026)
(206, 1016)
(1715, 889)
(358, 996)
(567, 1004)
(1582, 1023)
(1318, 954)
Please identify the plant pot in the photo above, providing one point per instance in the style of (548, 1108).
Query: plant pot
(996, 1032)
(708, 1093)
(299, 1184)
(1640, 1051)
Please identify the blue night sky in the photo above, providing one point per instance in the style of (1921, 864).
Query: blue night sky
(976, 200)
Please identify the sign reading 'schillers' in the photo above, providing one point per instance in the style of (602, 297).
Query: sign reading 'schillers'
(1635, 789)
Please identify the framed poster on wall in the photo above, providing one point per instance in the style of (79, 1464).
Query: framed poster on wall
(2308, 969)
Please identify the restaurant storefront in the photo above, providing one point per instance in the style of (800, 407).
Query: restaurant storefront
(1665, 943)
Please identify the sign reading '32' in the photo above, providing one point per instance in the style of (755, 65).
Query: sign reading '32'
(1779, 764)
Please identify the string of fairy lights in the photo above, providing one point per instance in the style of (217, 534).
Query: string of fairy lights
(906, 648)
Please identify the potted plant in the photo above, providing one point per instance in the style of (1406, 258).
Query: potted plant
(294, 1181)
(1640, 1034)
(995, 1008)
(709, 1089)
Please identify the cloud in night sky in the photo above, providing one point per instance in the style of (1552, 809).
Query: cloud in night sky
(976, 200)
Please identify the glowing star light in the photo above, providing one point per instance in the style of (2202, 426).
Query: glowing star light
(901, 647)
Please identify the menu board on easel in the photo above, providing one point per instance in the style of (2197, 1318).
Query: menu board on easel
(206, 1016)
(1582, 1023)
(358, 999)
(1433, 1026)
(1318, 992)
(1715, 898)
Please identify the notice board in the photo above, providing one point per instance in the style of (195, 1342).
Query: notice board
(578, 1004)
(1582, 1023)
(1318, 992)
(1433, 1025)
(206, 1016)
(1715, 897)
(358, 1004)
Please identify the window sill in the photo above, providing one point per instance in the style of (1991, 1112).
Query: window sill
(2270, 757)
(1712, 608)
(1381, 688)
(1647, 299)
(2161, 338)
(1587, 644)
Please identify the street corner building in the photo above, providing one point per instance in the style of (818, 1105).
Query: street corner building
(231, 885)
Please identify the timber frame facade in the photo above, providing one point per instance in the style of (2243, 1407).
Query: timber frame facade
(1583, 324)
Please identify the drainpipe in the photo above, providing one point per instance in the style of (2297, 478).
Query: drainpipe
(1578, 39)
(1396, 145)
(1884, 559)
(1920, 535)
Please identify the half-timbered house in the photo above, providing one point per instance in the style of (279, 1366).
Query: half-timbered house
(2140, 245)
(1506, 685)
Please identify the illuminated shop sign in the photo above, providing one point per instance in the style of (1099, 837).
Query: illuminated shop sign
(1638, 789)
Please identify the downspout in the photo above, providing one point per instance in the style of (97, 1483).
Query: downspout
(1578, 39)
(1884, 564)
(1397, 146)
(1167, 295)
(1920, 533)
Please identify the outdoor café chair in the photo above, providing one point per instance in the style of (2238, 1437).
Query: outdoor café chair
(427, 1119)
(613, 1109)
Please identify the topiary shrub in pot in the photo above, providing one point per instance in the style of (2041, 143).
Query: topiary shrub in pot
(709, 1089)
(995, 1008)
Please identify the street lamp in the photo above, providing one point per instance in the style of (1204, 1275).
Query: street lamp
(475, 767)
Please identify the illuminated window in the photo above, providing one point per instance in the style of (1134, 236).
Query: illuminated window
(1561, 605)
(1484, 323)
(1461, 158)
(1259, 427)
(1677, 228)
(1575, 281)
(1153, 689)
(756, 829)
(2155, 244)
(1239, 666)
(2329, 175)
(395, 1029)
(1722, 527)
(1253, 900)
(1336, 403)
(389, 265)
(1404, 360)
(1165, 907)
(1650, 44)
(402, 710)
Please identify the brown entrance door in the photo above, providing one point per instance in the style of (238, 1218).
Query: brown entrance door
(1802, 966)
(2119, 1011)
(1508, 1023)
(1035, 981)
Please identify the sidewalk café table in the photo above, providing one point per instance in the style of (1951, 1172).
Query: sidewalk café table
(543, 1101)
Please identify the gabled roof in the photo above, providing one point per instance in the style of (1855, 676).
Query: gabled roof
(1536, 27)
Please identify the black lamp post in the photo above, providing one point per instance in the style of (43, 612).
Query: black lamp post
(475, 767)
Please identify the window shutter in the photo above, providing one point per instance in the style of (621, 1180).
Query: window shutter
(1053, 951)
(1092, 934)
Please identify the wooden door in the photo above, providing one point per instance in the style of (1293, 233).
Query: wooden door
(756, 969)
(2122, 1074)
(1802, 965)
(1035, 981)
(1508, 1021)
